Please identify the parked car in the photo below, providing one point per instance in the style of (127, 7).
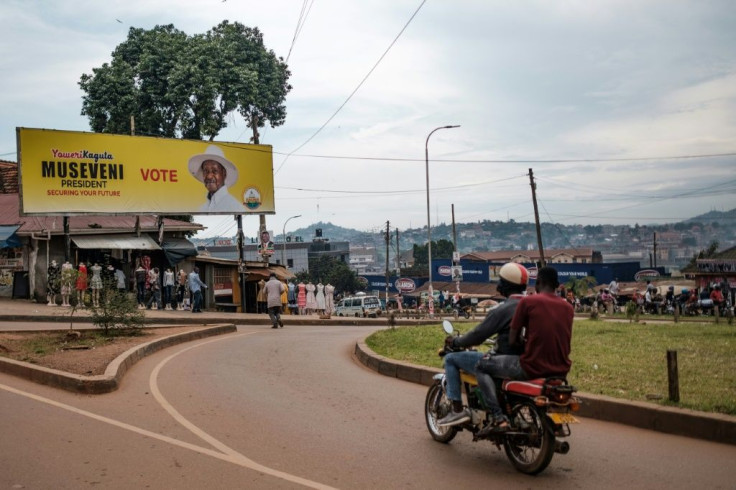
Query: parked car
(360, 306)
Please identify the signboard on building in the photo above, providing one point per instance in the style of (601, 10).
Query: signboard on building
(646, 274)
(405, 285)
(76, 173)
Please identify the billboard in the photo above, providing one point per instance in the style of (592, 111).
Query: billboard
(72, 173)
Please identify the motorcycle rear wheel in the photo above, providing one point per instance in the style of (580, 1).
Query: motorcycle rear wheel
(436, 406)
(532, 452)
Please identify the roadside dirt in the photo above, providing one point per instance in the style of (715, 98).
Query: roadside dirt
(88, 354)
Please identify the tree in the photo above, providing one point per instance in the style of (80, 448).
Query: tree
(580, 286)
(441, 249)
(116, 311)
(704, 254)
(176, 85)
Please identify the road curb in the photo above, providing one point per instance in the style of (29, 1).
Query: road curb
(110, 381)
(683, 422)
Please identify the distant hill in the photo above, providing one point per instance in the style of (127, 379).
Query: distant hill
(697, 231)
(722, 217)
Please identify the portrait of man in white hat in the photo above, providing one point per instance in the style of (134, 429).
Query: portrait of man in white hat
(217, 173)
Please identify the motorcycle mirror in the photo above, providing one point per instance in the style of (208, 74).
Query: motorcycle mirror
(447, 325)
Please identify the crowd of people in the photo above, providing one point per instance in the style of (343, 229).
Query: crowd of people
(651, 299)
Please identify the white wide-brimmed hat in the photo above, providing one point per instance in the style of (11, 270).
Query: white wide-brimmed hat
(213, 153)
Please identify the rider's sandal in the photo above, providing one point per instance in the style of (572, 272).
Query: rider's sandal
(496, 426)
(500, 424)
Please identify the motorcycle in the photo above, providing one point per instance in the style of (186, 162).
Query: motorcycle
(539, 412)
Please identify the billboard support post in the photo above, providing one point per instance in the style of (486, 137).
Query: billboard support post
(241, 262)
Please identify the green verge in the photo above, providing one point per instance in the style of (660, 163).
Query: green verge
(622, 360)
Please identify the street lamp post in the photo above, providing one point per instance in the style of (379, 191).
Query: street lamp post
(283, 249)
(430, 292)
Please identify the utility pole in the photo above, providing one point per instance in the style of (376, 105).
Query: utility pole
(542, 262)
(454, 231)
(241, 262)
(388, 243)
(655, 249)
(454, 246)
(398, 254)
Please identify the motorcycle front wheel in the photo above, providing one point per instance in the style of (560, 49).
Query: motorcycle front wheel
(531, 451)
(437, 406)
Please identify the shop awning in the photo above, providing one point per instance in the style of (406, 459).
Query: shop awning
(178, 249)
(8, 238)
(116, 242)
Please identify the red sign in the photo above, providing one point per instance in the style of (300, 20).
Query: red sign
(445, 270)
(405, 285)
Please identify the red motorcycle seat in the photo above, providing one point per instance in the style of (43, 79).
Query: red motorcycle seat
(532, 387)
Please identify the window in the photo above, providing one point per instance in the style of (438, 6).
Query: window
(290, 263)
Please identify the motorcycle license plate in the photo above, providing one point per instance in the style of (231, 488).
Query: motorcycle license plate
(562, 418)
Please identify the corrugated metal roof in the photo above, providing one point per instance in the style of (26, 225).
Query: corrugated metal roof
(8, 177)
(81, 225)
(506, 255)
(116, 242)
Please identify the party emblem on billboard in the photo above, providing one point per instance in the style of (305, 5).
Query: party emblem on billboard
(252, 198)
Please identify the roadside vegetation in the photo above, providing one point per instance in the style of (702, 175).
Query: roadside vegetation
(622, 360)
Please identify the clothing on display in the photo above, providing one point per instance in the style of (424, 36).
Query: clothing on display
(320, 298)
(82, 277)
(311, 300)
(96, 281)
(329, 299)
(301, 299)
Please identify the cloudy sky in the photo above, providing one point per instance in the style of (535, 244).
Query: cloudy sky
(606, 101)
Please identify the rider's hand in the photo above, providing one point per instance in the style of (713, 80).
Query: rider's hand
(450, 341)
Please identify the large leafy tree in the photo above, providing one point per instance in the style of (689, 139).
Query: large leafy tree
(176, 85)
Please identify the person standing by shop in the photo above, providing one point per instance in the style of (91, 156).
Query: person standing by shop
(195, 288)
(273, 290)
(140, 285)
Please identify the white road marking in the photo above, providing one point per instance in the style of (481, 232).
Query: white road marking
(236, 456)
(226, 453)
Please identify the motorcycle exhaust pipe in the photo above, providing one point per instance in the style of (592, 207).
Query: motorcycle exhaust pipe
(562, 447)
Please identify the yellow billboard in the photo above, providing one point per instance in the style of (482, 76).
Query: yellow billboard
(70, 173)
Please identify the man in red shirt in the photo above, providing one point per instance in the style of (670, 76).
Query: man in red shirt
(548, 323)
(547, 319)
(716, 296)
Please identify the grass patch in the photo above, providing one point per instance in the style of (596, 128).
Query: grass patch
(617, 359)
(33, 346)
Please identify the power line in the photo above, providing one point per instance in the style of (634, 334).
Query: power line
(356, 88)
(300, 24)
(557, 160)
(404, 191)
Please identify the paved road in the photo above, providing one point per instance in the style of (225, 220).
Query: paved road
(291, 409)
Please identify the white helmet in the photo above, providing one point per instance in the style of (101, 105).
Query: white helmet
(514, 273)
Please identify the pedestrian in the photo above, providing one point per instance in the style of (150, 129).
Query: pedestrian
(195, 288)
(140, 285)
(273, 290)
